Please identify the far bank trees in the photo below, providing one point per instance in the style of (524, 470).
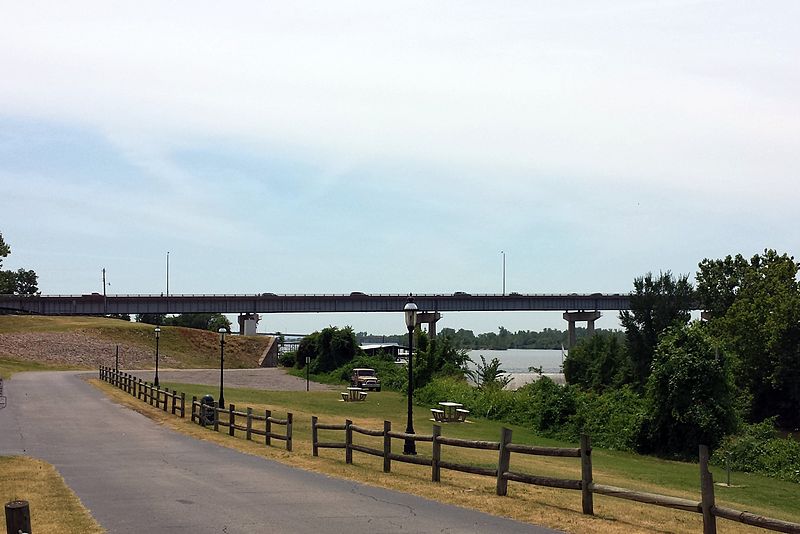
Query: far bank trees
(19, 282)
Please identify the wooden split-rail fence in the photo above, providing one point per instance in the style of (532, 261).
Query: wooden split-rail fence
(164, 399)
(203, 414)
(503, 473)
(209, 415)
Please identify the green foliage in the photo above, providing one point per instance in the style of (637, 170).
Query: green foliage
(328, 349)
(19, 282)
(755, 308)
(690, 393)
(490, 375)
(391, 375)
(151, 318)
(756, 449)
(597, 363)
(288, 359)
(437, 357)
(656, 304)
(200, 321)
(613, 419)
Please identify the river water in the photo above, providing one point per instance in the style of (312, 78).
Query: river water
(516, 363)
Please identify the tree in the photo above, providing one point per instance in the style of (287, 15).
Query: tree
(690, 393)
(151, 318)
(755, 312)
(656, 304)
(437, 357)
(597, 363)
(20, 282)
(328, 349)
(200, 321)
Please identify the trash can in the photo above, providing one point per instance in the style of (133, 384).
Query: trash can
(207, 410)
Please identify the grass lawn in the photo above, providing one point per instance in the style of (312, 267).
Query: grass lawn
(552, 507)
(54, 508)
(10, 366)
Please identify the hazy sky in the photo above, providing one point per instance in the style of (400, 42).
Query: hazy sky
(329, 147)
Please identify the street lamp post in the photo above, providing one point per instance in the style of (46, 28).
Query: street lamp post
(308, 364)
(410, 310)
(158, 334)
(222, 333)
(504, 272)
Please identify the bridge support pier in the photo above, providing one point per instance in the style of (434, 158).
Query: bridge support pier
(572, 317)
(430, 318)
(248, 323)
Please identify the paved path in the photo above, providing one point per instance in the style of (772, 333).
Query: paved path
(136, 476)
(267, 378)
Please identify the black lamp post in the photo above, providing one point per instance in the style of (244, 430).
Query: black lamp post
(222, 333)
(410, 310)
(158, 333)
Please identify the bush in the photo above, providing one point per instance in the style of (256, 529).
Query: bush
(391, 375)
(756, 449)
(689, 393)
(597, 363)
(613, 419)
(287, 359)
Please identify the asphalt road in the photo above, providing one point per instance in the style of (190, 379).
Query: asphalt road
(136, 476)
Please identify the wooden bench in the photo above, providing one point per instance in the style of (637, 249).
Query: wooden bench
(438, 415)
(461, 415)
(362, 395)
(345, 396)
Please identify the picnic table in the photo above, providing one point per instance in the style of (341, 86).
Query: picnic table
(354, 394)
(451, 412)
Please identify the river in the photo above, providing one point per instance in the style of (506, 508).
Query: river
(516, 362)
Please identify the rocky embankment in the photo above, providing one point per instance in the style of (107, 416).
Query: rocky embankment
(80, 348)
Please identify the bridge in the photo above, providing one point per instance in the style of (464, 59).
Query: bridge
(577, 307)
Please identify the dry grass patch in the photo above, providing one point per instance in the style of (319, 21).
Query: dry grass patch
(559, 509)
(54, 507)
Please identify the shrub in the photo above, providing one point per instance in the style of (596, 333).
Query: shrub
(756, 449)
(287, 359)
(613, 419)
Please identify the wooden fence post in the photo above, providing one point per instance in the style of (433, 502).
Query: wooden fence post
(166, 396)
(387, 447)
(216, 416)
(348, 442)
(174, 401)
(194, 399)
(249, 432)
(707, 494)
(289, 431)
(18, 516)
(231, 419)
(183, 405)
(314, 436)
(436, 455)
(503, 462)
(267, 428)
(587, 497)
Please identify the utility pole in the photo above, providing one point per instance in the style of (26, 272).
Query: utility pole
(105, 303)
(168, 274)
(504, 272)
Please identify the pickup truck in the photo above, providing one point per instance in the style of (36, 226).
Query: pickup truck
(365, 378)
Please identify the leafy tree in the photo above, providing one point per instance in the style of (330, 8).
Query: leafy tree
(690, 393)
(328, 349)
(656, 304)
(598, 363)
(201, 321)
(20, 282)
(755, 311)
(437, 357)
(151, 318)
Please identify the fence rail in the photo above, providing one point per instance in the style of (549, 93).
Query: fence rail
(504, 474)
(173, 401)
(207, 414)
(210, 415)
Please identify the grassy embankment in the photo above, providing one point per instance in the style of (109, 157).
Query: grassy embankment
(54, 508)
(48, 342)
(556, 508)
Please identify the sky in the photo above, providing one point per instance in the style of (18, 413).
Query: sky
(330, 147)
